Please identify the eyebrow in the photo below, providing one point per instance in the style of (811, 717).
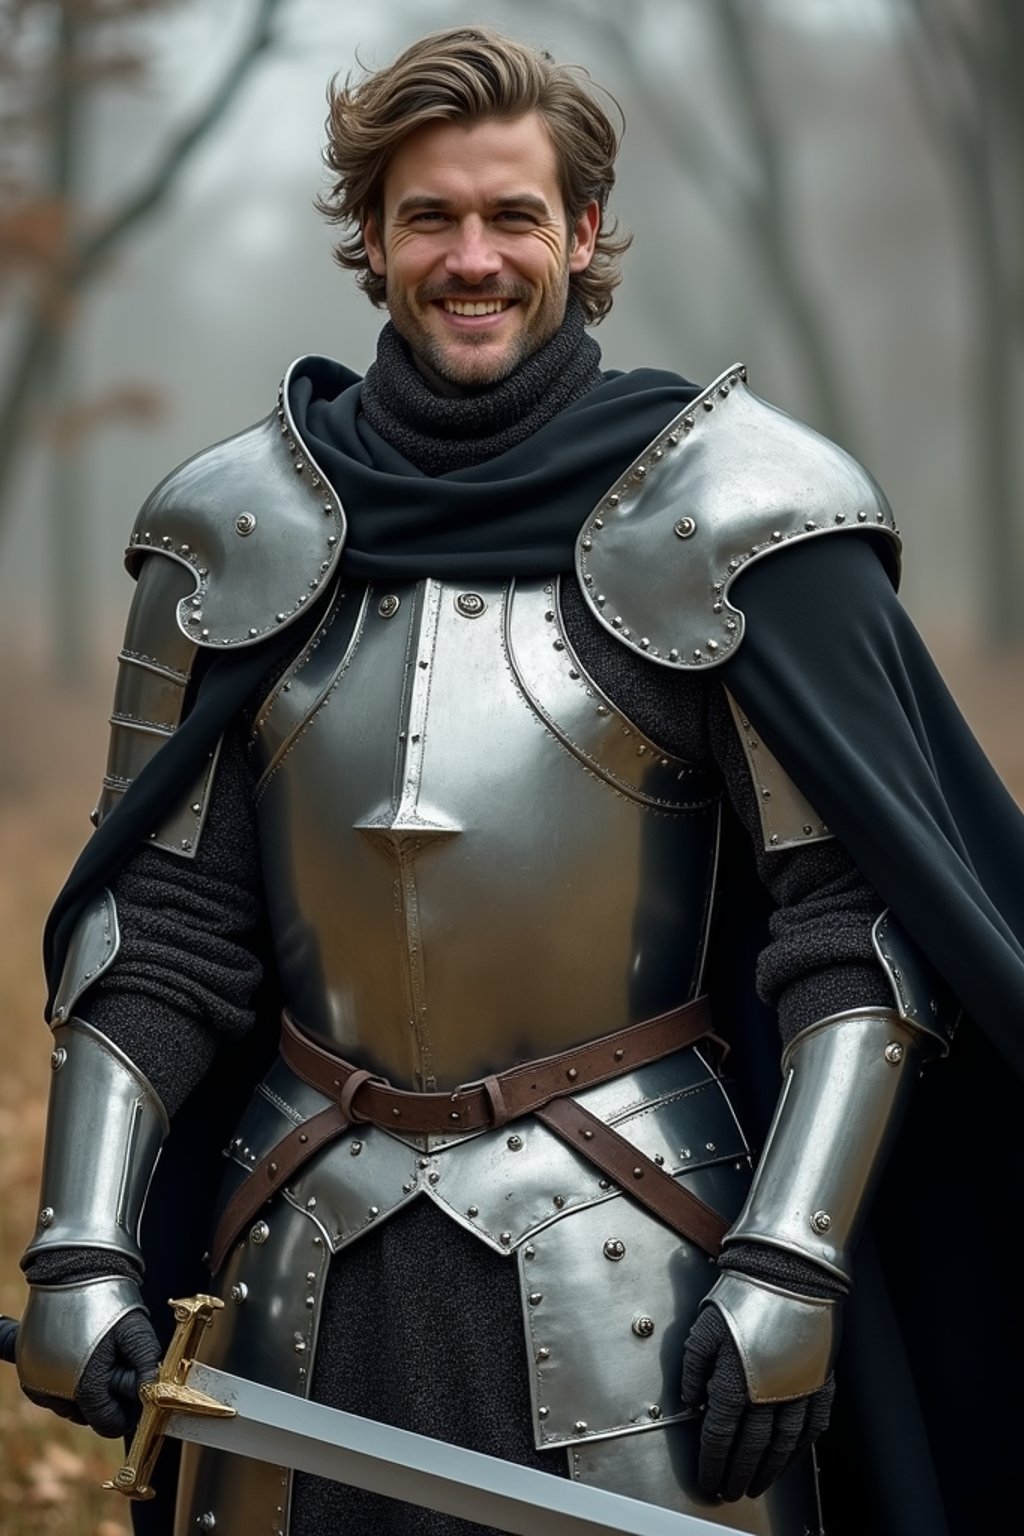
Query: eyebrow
(417, 202)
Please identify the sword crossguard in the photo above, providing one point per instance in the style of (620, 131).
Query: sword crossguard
(168, 1394)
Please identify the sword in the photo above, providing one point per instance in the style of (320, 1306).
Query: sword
(194, 1402)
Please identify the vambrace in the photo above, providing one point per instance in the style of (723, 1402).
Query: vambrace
(846, 1083)
(104, 1131)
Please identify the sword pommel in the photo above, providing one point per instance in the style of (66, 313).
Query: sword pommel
(168, 1394)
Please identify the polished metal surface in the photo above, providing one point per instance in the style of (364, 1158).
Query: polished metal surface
(424, 1472)
(91, 950)
(594, 1374)
(255, 525)
(104, 1130)
(729, 481)
(787, 1343)
(923, 1000)
(787, 818)
(663, 1462)
(62, 1325)
(843, 1098)
(272, 1285)
(153, 673)
(472, 857)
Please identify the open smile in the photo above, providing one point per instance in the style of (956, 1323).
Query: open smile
(474, 314)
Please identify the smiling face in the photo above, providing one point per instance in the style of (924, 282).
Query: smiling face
(475, 248)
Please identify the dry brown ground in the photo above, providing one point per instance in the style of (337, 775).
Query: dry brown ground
(51, 754)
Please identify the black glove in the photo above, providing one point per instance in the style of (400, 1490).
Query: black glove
(745, 1446)
(106, 1395)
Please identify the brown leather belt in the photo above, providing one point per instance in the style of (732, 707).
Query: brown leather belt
(361, 1096)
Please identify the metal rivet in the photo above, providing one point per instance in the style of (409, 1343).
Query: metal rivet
(271, 1169)
(588, 1134)
(542, 1413)
(558, 1202)
(529, 1251)
(505, 1239)
(389, 606)
(239, 1291)
(432, 1178)
(614, 1249)
(244, 524)
(311, 1203)
(58, 1058)
(821, 1221)
(638, 1173)
(259, 1233)
(604, 1183)
(640, 472)
(580, 1427)
(654, 1412)
(514, 1143)
(642, 1325)
(373, 1211)
(613, 500)
(46, 1216)
(535, 1298)
(572, 1074)
(685, 528)
(310, 1303)
(894, 1052)
(300, 1346)
(470, 604)
(207, 1521)
(542, 1354)
(355, 1148)
(473, 1210)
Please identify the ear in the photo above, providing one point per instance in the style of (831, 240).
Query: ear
(584, 238)
(374, 248)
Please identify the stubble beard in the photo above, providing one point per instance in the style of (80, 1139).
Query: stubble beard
(454, 365)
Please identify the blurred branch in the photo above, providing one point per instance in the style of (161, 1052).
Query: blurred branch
(758, 202)
(41, 334)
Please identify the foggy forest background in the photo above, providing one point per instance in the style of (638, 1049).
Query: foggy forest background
(827, 190)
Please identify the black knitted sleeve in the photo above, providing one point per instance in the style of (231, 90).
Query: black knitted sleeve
(820, 958)
(187, 968)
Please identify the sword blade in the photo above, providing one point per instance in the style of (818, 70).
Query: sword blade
(308, 1437)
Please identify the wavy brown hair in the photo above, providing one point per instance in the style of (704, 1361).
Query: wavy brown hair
(465, 74)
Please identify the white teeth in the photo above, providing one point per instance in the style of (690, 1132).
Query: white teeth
(480, 307)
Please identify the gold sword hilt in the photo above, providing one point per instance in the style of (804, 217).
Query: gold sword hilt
(168, 1394)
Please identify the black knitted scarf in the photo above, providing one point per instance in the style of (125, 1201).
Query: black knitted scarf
(442, 433)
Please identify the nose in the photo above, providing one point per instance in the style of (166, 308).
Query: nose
(472, 255)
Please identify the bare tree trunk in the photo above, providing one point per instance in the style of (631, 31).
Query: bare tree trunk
(68, 535)
(958, 68)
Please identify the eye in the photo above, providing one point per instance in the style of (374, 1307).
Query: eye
(515, 216)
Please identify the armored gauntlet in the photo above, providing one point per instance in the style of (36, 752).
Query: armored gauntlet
(84, 1315)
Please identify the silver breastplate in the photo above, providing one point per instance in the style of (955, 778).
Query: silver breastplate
(471, 856)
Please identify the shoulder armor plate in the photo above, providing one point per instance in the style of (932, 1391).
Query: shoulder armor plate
(728, 481)
(258, 524)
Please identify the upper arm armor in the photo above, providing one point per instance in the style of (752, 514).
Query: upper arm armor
(727, 482)
(230, 546)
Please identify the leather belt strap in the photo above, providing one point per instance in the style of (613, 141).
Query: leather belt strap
(636, 1174)
(360, 1097)
(498, 1099)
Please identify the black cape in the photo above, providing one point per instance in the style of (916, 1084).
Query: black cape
(833, 675)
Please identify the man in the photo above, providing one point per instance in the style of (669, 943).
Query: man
(448, 669)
